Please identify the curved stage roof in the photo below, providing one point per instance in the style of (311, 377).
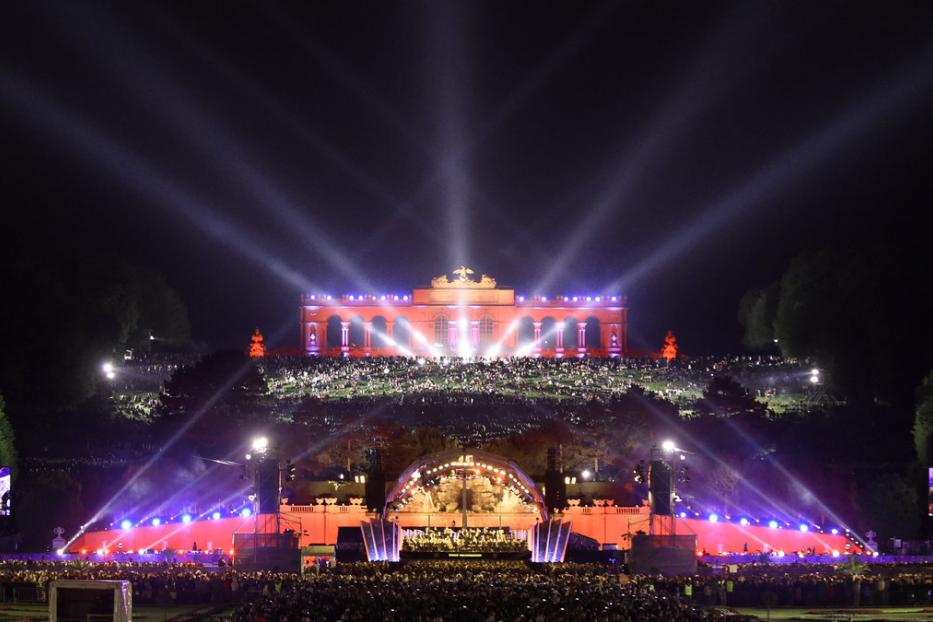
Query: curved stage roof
(468, 458)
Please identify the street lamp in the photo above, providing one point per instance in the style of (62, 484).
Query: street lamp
(260, 444)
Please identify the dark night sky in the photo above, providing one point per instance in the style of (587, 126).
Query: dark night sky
(682, 151)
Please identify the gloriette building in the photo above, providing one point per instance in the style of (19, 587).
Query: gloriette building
(463, 317)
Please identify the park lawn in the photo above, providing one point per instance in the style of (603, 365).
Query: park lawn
(836, 614)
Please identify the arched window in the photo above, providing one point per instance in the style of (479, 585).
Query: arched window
(526, 331)
(592, 333)
(441, 331)
(356, 332)
(548, 333)
(571, 333)
(401, 333)
(380, 332)
(485, 331)
(333, 332)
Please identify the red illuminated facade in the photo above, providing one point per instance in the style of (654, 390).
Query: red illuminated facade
(463, 317)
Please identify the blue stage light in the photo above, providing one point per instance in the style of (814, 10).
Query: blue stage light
(804, 528)
(773, 524)
(683, 515)
(126, 524)
(216, 515)
(834, 531)
(713, 518)
(245, 512)
(156, 522)
(743, 521)
(186, 518)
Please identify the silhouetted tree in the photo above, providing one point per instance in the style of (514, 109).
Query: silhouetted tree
(757, 311)
(7, 439)
(724, 396)
(856, 313)
(923, 421)
(63, 320)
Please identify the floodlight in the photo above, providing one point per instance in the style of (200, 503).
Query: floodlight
(260, 443)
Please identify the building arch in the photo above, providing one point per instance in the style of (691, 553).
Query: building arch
(401, 332)
(357, 331)
(526, 331)
(593, 336)
(334, 332)
(380, 332)
(548, 333)
(420, 472)
(571, 333)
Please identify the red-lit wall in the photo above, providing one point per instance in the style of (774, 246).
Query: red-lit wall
(607, 525)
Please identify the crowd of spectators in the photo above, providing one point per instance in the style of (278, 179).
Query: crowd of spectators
(578, 380)
(481, 590)
(484, 589)
(465, 540)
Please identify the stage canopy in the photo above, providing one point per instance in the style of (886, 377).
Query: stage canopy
(480, 479)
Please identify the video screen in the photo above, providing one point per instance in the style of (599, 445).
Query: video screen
(930, 487)
(5, 483)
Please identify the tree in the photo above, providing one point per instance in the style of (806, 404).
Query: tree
(855, 313)
(669, 349)
(757, 311)
(7, 440)
(724, 396)
(923, 422)
(889, 506)
(68, 318)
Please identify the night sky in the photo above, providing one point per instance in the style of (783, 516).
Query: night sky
(680, 152)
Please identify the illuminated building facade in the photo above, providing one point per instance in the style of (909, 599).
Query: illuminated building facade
(463, 317)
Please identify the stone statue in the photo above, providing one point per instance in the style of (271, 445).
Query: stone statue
(463, 281)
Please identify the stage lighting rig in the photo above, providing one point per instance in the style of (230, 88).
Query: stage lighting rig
(641, 472)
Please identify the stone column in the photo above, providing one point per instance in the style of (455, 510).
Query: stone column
(345, 337)
(537, 342)
(581, 338)
(312, 338)
(474, 334)
(614, 340)
(390, 332)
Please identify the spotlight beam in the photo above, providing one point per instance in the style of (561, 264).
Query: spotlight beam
(632, 164)
(135, 171)
(776, 176)
(182, 429)
(219, 148)
(557, 58)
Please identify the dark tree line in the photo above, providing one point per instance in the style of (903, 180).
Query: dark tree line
(862, 314)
